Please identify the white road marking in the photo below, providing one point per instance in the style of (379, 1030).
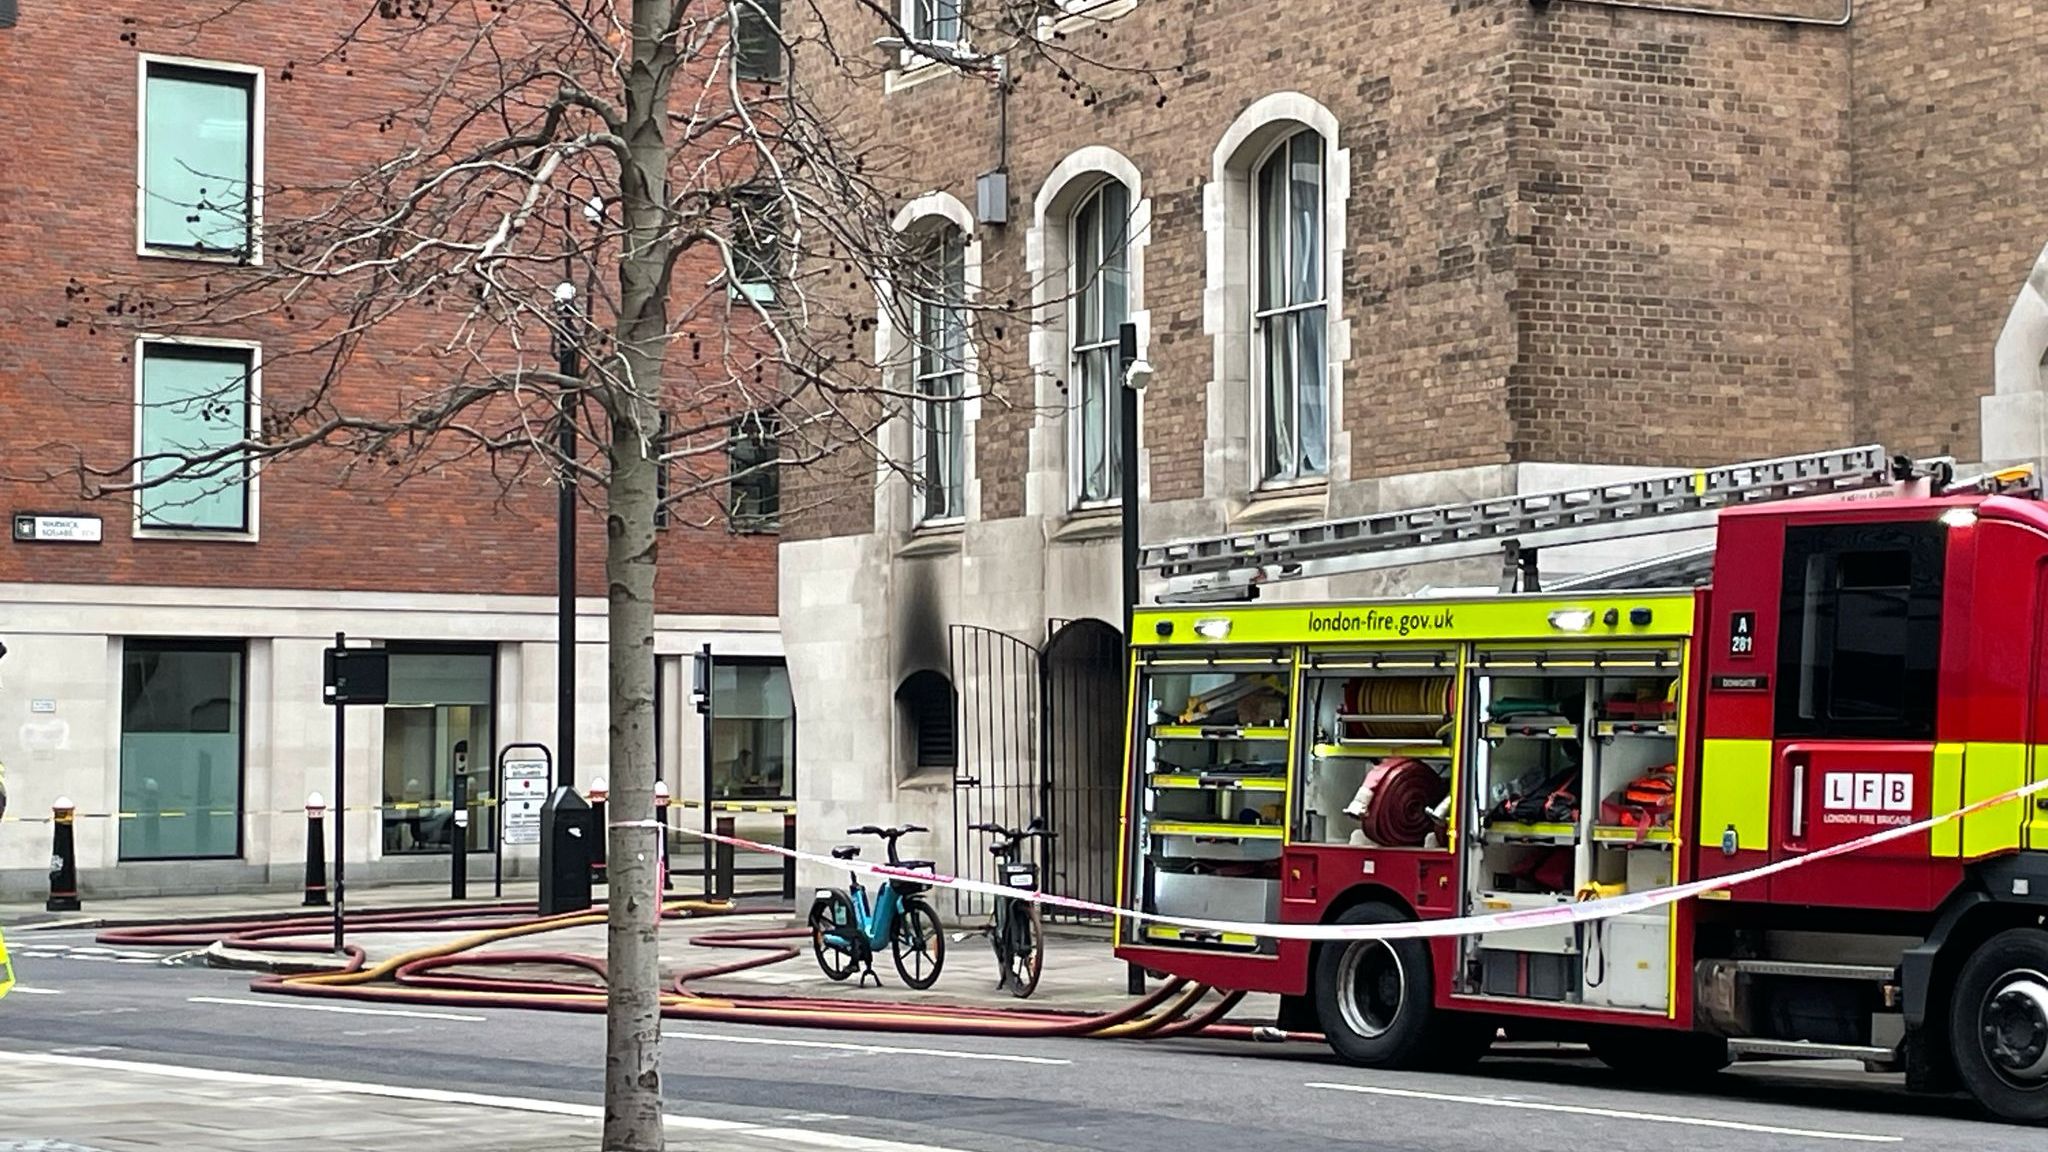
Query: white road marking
(443, 1096)
(1612, 1113)
(25, 990)
(865, 1049)
(409, 1012)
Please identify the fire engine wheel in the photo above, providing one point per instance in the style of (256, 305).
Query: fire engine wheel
(1374, 1002)
(1998, 1025)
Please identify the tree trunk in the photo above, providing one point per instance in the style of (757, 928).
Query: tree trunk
(632, 1072)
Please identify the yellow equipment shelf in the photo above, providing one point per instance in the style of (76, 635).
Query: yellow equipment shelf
(1564, 833)
(1235, 831)
(1228, 732)
(1421, 750)
(1223, 783)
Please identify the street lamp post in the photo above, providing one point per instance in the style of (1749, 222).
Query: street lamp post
(1134, 373)
(569, 361)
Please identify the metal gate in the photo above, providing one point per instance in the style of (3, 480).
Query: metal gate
(1041, 735)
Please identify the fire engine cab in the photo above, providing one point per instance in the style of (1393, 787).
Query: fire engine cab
(1865, 646)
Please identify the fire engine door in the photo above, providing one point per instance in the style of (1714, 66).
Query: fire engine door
(1858, 657)
(2036, 813)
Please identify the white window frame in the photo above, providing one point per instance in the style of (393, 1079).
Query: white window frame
(252, 499)
(257, 118)
(1113, 386)
(1262, 318)
(925, 408)
(739, 288)
(910, 57)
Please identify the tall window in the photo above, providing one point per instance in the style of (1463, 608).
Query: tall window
(752, 455)
(437, 725)
(927, 703)
(757, 244)
(1292, 310)
(940, 300)
(181, 749)
(933, 21)
(753, 732)
(1100, 279)
(198, 159)
(193, 411)
(757, 39)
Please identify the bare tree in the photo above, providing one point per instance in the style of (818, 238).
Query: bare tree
(635, 221)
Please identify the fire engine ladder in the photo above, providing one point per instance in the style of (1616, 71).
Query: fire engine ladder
(1223, 568)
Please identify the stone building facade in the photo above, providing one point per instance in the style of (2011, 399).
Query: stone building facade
(165, 676)
(1446, 248)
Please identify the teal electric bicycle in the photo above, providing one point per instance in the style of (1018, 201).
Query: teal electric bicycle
(847, 931)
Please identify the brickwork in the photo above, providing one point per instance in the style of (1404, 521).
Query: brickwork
(1576, 233)
(1950, 141)
(67, 390)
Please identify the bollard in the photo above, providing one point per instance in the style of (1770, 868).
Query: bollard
(789, 862)
(458, 840)
(63, 862)
(599, 790)
(722, 881)
(316, 852)
(661, 818)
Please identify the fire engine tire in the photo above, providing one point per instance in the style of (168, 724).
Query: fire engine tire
(1657, 1057)
(1998, 1025)
(1373, 997)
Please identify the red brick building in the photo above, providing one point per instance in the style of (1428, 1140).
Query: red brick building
(1379, 256)
(169, 666)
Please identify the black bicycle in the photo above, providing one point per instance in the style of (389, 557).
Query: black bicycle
(1016, 928)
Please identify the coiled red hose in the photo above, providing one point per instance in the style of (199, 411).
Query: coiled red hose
(1403, 792)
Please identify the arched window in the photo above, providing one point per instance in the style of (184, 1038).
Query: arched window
(1099, 271)
(927, 702)
(1290, 313)
(938, 308)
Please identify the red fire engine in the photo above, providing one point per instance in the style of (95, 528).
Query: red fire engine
(1864, 646)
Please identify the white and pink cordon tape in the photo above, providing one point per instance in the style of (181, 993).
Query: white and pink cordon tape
(1569, 913)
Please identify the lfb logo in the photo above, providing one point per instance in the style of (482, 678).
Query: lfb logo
(1867, 792)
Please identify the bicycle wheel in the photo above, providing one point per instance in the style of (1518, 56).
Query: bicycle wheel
(918, 945)
(835, 937)
(1027, 949)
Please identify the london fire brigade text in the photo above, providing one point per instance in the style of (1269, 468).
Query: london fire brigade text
(1399, 623)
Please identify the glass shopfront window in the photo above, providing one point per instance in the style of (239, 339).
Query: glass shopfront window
(181, 750)
(438, 723)
(753, 732)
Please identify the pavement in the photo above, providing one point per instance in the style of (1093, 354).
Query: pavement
(112, 1049)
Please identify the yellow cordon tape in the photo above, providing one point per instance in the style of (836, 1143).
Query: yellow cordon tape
(6, 970)
(1571, 913)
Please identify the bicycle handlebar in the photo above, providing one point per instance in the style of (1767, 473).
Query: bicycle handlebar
(1015, 834)
(886, 833)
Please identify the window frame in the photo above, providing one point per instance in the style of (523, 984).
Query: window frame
(1262, 317)
(773, 21)
(770, 423)
(943, 248)
(249, 531)
(238, 647)
(1926, 545)
(254, 78)
(484, 766)
(913, 54)
(1104, 346)
(664, 481)
(764, 258)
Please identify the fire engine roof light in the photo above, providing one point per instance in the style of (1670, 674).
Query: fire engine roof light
(1959, 517)
(1213, 629)
(1572, 619)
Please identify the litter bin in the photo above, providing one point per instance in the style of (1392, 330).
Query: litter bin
(565, 839)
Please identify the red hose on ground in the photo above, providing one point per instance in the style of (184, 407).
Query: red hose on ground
(424, 976)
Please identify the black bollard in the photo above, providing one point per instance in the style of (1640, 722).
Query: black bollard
(598, 792)
(63, 859)
(458, 840)
(722, 884)
(789, 862)
(316, 852)
(661, 805)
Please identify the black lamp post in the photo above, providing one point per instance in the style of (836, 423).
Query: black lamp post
(569, 361)
(1132, 376)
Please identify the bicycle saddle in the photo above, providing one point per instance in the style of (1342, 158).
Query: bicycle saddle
(846, 852)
